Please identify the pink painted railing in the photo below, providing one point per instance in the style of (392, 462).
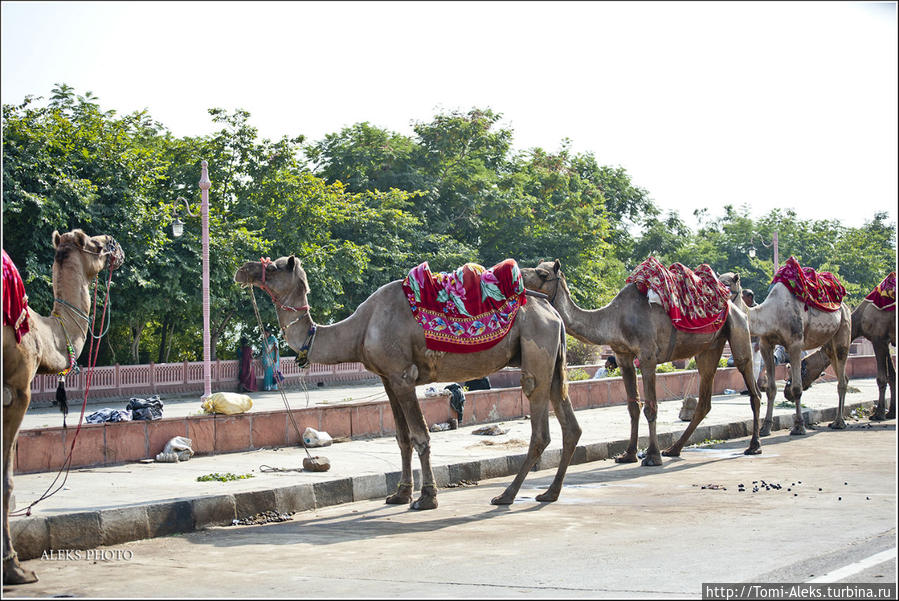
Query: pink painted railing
(159, 378)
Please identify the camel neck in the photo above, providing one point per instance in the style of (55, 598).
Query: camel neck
(585, 325)
(72, 303)
(332, 344)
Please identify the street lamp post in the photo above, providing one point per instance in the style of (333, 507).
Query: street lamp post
(774, 244)
(177, 230)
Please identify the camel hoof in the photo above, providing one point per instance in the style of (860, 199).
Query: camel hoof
(13, 573)
(548, 497)
(753, 450)
(797, 431)
(425, 502)
(838, 424)
(652, 460)
(878, 417)
(671, 452)
(765, 429)
(402, 496)
(502, 499)
(627, 457)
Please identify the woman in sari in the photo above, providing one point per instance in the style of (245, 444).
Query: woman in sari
(247, 371)
(271, 359)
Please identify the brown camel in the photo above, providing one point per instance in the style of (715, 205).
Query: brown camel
(636, 328)
(879, 327)
(784, 319)
(383, 335)
(45, 349)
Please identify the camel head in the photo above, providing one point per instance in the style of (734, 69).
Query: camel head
(284, 279)
(731, 280)
(93, 253)
(545, 278)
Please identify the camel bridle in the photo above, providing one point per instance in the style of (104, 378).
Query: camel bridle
(265, 261)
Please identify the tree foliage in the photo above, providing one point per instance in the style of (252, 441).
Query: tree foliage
(360, 207)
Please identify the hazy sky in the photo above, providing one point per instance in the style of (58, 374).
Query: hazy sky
(705, 104)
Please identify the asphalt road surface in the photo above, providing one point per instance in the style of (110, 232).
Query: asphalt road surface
(624, 531)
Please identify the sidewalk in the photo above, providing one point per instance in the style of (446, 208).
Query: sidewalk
(111, 505)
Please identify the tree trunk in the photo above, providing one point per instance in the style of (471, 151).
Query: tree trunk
(164, 336)
(215, 332)
(136, 330)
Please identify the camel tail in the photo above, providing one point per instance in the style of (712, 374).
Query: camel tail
(561, 368)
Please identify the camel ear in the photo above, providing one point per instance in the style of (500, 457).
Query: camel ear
(293, 263)
(736, 278)
(56, 238)
(557, 266)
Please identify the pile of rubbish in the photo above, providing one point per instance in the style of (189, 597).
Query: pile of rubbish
(137, 409)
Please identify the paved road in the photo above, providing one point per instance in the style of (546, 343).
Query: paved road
(617, 531)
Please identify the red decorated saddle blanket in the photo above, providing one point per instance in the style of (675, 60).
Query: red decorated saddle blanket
(695, 301)
(884, 295)
(822, 291)
(466, 310)
(15, 301)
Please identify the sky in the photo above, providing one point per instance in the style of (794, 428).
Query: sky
(756, 104)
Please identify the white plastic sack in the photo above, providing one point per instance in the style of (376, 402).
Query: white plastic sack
(314, 438)
(228, 403)
(177, 449)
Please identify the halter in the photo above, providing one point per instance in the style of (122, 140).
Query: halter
(556, 291)
(112, 249)
(266, 261)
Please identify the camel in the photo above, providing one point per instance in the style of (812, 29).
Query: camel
(784, 319)
(636, 328)
(383, 335)
(51, 346)
(879, 327)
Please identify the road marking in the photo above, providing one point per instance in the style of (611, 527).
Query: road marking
(858, 566)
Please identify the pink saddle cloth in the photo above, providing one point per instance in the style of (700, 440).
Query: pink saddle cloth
(695, 301)
(884, 295)
(15, 301)
(820, 290)
(466, 310)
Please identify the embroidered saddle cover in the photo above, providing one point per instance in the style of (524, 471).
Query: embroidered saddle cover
(822, 291)
(695, 301)
(15, 301)
(466, 310)
(884, 295)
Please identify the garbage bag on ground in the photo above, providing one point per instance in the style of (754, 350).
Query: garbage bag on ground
(228, 403)
(177, 449)
(457, 398)
(108, 415)
(314, 438)
(147, 409)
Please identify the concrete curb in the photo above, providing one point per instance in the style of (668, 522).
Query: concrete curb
(87, 530)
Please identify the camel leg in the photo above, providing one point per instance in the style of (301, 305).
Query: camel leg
(838, 360)
(795, 393)
(706, 364)
(891, 378)
(742, 354)
(770, 387)
(882, 355)
(403, 494)
(419, 437)
(571, 433)
(539, 404)
(13, 572)
(629, 376)
(650, 410)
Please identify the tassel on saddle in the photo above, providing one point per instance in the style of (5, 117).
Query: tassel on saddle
(61, 400)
